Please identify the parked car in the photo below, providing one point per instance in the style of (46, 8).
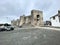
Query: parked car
(2, 28)
(8, 27)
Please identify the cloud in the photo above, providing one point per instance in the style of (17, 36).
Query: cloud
(16, 8)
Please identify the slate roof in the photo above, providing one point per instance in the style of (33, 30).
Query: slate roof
(55, 16)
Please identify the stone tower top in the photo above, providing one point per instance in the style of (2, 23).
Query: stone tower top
(36, 11)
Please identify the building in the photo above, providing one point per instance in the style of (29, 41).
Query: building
(55, 20)
(35, 19)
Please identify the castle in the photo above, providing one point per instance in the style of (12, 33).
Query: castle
(35, 19)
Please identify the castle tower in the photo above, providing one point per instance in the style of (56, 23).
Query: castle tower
(36, 18)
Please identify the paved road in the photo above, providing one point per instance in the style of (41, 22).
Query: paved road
(30, 37)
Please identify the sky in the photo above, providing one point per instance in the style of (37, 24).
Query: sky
(13, 9)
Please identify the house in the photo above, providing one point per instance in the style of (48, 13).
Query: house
(55, 20)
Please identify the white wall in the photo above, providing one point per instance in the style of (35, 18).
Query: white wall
(55, 22)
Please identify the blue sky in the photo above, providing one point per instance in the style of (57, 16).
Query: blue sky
(13, 9)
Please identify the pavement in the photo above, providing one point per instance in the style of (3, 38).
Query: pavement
(48, 28)
(30, 36)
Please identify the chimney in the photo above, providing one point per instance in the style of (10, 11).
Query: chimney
(58, 11)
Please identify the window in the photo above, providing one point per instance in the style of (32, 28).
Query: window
(54, 18)
(38, 16)
(59, 18)
(37, 19)
(7, 24)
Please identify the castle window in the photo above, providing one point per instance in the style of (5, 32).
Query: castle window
(38, 16)
(37, 19)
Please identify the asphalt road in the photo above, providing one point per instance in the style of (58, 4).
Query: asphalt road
(30, 37)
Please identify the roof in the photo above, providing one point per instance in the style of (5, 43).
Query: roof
(55, 15)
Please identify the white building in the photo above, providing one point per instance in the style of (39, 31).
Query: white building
(55, 20)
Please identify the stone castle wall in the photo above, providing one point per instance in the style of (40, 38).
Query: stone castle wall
(22, 20)
(35, 19)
